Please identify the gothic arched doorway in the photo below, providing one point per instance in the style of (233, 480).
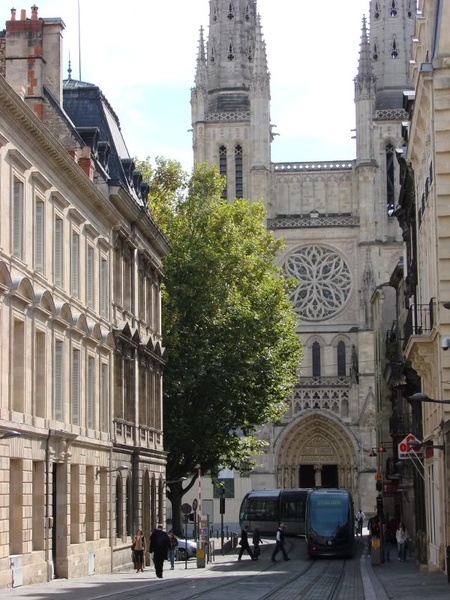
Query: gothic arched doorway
(316, 451)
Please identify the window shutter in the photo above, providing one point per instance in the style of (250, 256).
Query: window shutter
(76, 387)
(105, 411)
(91, 392)
(75, 265)
(59, 381)
(39, 238)
(59, 252)
(17, 218)
(90, 277)
(104, 288)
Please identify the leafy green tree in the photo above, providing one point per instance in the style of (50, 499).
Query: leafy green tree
(228, 325)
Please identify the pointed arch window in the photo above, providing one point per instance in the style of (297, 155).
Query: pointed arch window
(238, 172)
(341, 360)
(393, 11)
(316, 359)
(223, 166)
(230, 15)
(377, 11)
(247, 13)
(215, 13)
(409, 9)
(375, 51)
(212, 55)
(394, 49)
(250, 54)
(231, 55)
(390, 184)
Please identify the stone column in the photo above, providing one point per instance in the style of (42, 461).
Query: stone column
(318, 475)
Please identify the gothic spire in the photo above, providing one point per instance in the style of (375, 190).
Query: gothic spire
(200, 74)
(365, 71)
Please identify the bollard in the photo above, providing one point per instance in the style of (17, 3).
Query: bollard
(375, 553)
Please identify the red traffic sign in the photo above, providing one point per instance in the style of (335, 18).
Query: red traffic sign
(194, 504)
(405, 450)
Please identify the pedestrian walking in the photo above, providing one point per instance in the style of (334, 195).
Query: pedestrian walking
(244, 544)
(359, 519)
(159, 547)
(401, 537)
(256, 542)
(387, 541)
(279, 544)
(138, 549)
(173, 548)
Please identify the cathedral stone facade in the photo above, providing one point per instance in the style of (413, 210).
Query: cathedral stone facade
(337, 220)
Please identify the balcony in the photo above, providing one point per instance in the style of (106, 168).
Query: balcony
(420, 320)
(337, 381)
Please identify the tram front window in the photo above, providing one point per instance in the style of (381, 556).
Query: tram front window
(328, 516)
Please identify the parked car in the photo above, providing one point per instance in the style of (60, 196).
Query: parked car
(183, 548)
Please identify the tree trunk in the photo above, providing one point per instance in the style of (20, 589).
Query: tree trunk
(175, 495)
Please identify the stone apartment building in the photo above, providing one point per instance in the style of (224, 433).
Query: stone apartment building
(81, 354)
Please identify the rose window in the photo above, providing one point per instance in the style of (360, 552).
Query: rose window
(324, 282)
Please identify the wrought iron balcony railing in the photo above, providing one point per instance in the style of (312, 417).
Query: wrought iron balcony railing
(420, 320)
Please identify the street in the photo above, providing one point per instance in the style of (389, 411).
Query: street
(226, 577)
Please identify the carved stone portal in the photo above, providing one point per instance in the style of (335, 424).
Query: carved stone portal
(316, 440)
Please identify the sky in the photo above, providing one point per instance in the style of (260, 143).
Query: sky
(143, 54)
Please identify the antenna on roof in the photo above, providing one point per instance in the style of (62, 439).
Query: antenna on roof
(79, 42)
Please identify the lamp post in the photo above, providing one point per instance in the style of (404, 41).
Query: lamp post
(419, 397)
(116, 470)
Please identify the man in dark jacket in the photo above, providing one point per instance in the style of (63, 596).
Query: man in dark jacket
(159, 547)
(244, 544)
(279, 545)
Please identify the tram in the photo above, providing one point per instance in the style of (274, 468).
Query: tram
(266, 509)
(329, 523)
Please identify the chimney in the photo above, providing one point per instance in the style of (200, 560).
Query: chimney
(86, 162)
(33, 56)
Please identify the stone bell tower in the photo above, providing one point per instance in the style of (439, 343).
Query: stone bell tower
(230, 100)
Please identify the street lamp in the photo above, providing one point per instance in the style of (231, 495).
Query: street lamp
(9, 434)
(373, 454)
(426, 444)
(117, 469)
(420, 397)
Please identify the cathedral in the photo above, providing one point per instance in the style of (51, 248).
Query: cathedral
(342, 240)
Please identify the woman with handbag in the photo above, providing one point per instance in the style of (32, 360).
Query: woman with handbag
(138, 549)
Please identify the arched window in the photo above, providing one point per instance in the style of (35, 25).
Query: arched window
(390, 184)
(230, 12)
(161, 501)
(377, 11)
(223, 166)
(393, 12)
(231, 55)
(153, 505)
(129, 508)
(341, 360)
(394, 49)
(375, 51)
(316, 351)
(119, 517)
(238, 171)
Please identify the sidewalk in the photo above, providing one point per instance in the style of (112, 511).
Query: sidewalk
(395, 580)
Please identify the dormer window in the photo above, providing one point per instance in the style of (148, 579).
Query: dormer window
(377, 11)
(394, 49)
(230, 15)
(393, 11)
(230, 52)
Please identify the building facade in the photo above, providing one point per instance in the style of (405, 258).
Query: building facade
(343, 241)
(81, 353)
(423, 215)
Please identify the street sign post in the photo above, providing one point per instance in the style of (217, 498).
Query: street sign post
(405, 450)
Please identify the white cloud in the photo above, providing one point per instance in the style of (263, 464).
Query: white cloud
(135, 51)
